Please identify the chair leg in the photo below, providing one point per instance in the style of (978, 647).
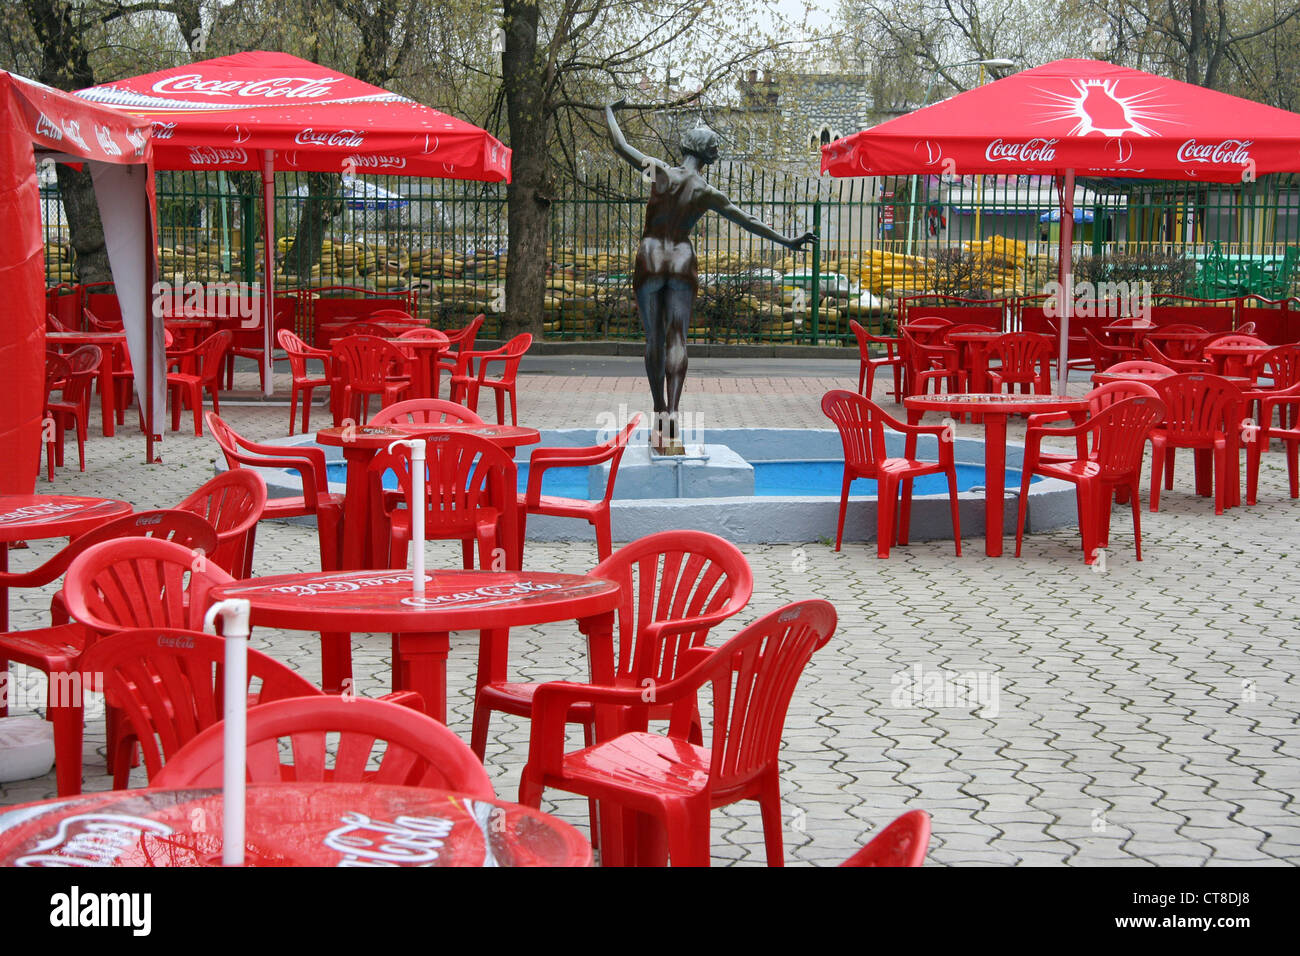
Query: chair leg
(956, 510)
(688, 832)
(1137, 519)
(769, 802)
(604, 543)
(844, 504)
(886, 502)
(1022, 507)
(293, 408)
(1157, 472)
(68, 720)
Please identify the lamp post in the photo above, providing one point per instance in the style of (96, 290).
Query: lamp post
(992, 63)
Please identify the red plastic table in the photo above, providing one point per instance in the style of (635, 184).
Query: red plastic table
(32, 517)
(1235, 359)
(1128, 333)
(975, 355)
(424, 354)
(288, 824)
(358, 602)
(994, 409)
(110, 342)
(361, 444)
(1176, 344)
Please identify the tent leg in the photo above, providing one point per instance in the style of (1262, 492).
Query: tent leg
(1065, 272)
(268, 286)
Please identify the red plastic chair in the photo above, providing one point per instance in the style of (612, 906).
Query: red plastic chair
(902, 843)
(74, 405)
(927, 363)
(1286, 403)
(1116, 436)
(56, 651)
(1175, 364)
(470, 493)
(669, 778)
(466, 384)
(368, 365)
(1099, 398)
(232, 503)
(595, 513)
(309, 463)
(425, 411)
(300, 353)
(58, 373)
(867, 365)
(862, 424)
(168, 685)
(392, 315)
(1026, 360)
(1186, 349)
(210, 355)
(458, 341)
(1104, 354)
(1202, 412)
(675, 586)
(1246, 328)
(1282, 367)
(52, 324)
(1140, 367)
(419, 751)
(96, 324)
(927, 329)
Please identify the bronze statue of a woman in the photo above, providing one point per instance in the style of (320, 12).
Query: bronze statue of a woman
(665, 277)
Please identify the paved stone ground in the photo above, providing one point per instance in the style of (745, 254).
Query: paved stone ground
(1141, 715)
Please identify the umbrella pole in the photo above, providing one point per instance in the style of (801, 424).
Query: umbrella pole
(1065, 274)
(268, 257)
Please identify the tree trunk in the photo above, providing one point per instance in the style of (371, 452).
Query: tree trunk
(77, 191)
(324, 201)
(528, 200)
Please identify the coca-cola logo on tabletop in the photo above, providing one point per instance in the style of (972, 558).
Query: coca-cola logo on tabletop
(164, 130)
(1229, 152)
(490, 592)
(341, 137)
(47, 127)
(377, 161)
(92, 839)
(277, 87)
(343, 585)
(217, 156)
(106, 142)
(73, 129)
(1036, 150)
(37, 511)
(407, 841)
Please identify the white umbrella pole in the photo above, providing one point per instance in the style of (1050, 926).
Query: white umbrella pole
(268, 256)
(416, 504)
(234, 613)
(1065, 303)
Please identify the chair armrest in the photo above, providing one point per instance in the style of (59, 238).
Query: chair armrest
(406, 698)
(300, 460)
(1039, 419)
(551, 704)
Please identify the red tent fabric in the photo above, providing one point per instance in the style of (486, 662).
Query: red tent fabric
(1092, 117)
(223, 113)
(37, 123)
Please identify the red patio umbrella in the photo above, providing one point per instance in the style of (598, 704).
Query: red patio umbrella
(1078, 116)
(272, 111)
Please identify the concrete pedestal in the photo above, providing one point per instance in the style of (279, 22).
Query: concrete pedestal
(705, 471)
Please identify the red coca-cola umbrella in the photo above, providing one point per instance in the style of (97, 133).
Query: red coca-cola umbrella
(272, 111)
(1078, 117)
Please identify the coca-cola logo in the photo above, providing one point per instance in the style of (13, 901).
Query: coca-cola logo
(1229, 152)
(489, 592)
(163, 130)
(73, 129)
(376, 161)
(1036, 150)
(343, 585)
(37, 511)
(277, 87)
(106, 142)
(47, 127)
(173, 640)
(137, 139)
(93, 839)
(406, 841)
(341, 137)
(217, 156)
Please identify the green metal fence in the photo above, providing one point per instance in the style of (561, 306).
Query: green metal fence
(987, 237)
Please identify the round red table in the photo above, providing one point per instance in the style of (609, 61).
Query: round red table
(353, 602)
(424, 354)
(361, 443)
(288, 824)
(1128, 332)
(976, 354)
(1235, 359)
(111, 343)
(32, 517)
(994, 409)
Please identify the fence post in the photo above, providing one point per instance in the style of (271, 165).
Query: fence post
(816, 267)
(247, 217)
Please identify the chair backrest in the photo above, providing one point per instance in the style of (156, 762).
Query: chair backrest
(1235, 338)
(619, 444)
(212, 354)
(927, 329)
(1138, 365)
(369, 361)
(140, 582)
(462, 340)
(232, 502)
(308, 461)
(1104, 396)
(1102, 355)
(57, 371)
(363, 328)
(1023, 353)
(52, 323)
(754, 676)
(1169, 361)
(667, 577)
(296, 349)
(182, 527)
(464, 474)
(419, 751)
(902, 843)
(1281, 364)
(861, 426)
(391, 315)
(100, 325)
(1119, 432)
(169, 682)
(514, 353)
(422, 335)
(1198, 407)
(865, 338)
(83, 365)
(423, 411)
(1247, 328)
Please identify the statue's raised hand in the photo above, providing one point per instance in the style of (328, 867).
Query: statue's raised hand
(798, 244)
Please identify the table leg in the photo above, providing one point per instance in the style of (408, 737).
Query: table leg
(995, 480)
(108, 392)
(356, 511)
(610, 827)
(420, 664)
(335, 662)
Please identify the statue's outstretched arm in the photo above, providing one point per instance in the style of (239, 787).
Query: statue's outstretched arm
(728, 210)
(632, 155)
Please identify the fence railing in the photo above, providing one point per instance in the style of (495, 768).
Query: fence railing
(880, 240)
